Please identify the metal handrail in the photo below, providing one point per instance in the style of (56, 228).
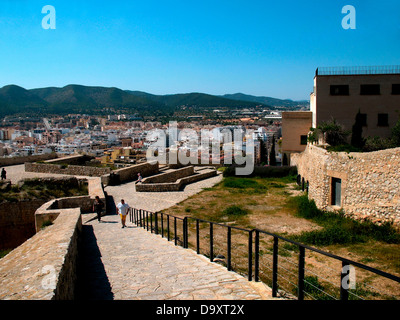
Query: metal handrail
(141, 218)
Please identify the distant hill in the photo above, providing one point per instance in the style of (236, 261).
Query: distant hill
(97, 100)
(201, 100)
(267, 100)
(14, 99)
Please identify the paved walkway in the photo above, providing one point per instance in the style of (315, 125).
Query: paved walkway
(133, 264)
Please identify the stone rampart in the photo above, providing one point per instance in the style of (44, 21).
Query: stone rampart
(170, 176)
(370, 182)
(45, 266)
(174, 186)
(66, 169)
(50, 210)
(21, 160)
(130, 173)
(72, 160)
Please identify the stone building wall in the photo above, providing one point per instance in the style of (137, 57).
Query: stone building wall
(370, 181)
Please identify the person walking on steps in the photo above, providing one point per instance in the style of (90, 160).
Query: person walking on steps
(3, 174)
(122, 210)
(98, 207)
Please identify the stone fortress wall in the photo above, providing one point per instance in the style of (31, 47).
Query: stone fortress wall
(45, 266)
(370, 182)
(175, 180)
(71, 165)
(21, 160)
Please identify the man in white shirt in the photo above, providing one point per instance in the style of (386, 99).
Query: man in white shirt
(122, 210)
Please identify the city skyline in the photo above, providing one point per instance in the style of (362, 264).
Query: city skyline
(259, 48)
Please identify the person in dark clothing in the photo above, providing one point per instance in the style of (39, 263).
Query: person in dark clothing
(3, 174)
(98, 207)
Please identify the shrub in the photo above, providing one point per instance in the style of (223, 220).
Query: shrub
(333, 133)
(377, 143)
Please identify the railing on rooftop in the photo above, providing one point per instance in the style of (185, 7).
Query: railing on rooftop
(359, 70)
(293, 270)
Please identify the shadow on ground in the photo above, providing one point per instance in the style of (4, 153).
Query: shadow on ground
(93, 282)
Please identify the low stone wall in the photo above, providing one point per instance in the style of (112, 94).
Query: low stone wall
(170, 176)
(73, 160)
(370, 182)
(130, 173)
(49, 211)
(45, 266)
(21, 160)
(69, 170)
(174, 186)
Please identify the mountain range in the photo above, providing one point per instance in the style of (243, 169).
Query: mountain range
(15, 100)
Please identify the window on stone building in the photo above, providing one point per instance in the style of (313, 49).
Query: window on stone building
(370, 89)
(303, 140)
(336, 192)
(383, 120)
(339, 90)
(396, 89)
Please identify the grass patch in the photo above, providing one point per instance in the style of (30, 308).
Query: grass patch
(339, 229)
(244, 185)
(235, 211)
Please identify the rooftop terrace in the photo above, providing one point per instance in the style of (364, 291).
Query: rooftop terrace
(357, 70)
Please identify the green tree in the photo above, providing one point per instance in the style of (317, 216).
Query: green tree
(263, 151)
(272, 155)
(357, 139)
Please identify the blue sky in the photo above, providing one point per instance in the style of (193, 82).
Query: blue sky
(269, 48)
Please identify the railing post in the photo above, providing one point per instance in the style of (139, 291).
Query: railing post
(257, 258)
(156, 222)
(229, 249)
(147, 220)
(344, 291)
(300, 294)
(275, 269)
(198, 236)
(168, 227)
(162, 225)
(250, 255)
(175, 235)
(185, 233)
(211, 242)
(140, 218)
(151, 222)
